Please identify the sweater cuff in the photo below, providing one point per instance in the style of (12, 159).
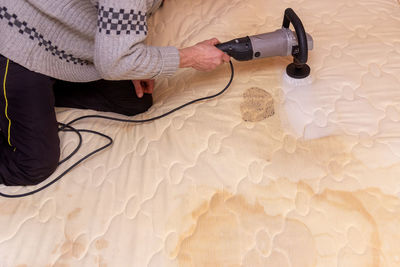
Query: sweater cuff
(170, 60)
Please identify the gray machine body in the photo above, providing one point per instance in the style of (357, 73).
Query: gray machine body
(278, 43)
(282, 42)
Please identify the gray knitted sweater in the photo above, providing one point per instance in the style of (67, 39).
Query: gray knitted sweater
(84, 40)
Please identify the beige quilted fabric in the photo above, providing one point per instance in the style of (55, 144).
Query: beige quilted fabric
(311, 180)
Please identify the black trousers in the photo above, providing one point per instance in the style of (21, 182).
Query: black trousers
(29, 142)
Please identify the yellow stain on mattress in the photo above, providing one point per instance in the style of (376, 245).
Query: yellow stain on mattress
(101, 244)
(78, 249)
(73, 214)
(101, 262)
(288, 224)
(9, 208)
(66, 246)
(70, 250)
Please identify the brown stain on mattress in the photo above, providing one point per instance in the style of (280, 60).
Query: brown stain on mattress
(227, 226)
(257, 105)
(101, 244)
(59, 265)
(78, 249)
(327, 157)
(329, 148)
(66, 246)
(221, 231)
(349, 201)
(73, 214)
(55, 249)
(70, 249)
(100, 261)
(9, 207)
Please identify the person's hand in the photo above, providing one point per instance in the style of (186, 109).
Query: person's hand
(203, 56)
(143, 86)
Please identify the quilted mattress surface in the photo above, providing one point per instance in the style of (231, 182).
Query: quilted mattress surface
(271, 173)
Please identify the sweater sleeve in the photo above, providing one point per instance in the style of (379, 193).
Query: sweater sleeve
(120, 52)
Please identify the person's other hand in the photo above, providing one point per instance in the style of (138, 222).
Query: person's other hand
(203, 56)
(143, 87)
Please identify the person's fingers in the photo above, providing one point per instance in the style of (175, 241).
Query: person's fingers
(143, 87)
(203, 56)
(150, 86)
(143, 84)
(214, 41)
(147, 86)
(138, 88)
(226, 57)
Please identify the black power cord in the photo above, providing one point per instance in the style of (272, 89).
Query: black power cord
(68, 128)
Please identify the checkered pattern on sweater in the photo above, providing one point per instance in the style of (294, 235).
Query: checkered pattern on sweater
(24, 29)
(117, 21)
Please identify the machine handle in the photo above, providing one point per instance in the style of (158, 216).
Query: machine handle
(291, 17)
(240, 48)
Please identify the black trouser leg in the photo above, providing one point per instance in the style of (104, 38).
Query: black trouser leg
(102, 95)
(29, 151)
(29, 143)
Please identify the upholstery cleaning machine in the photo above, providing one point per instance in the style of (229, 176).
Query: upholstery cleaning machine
(282, 42)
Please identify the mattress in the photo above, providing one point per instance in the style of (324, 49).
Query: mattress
(271, 173)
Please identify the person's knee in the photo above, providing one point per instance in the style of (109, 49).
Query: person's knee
(139, 107)
(147, 102)
(42, 170)
(36, 169)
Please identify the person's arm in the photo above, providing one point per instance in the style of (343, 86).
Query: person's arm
(120, 52)
(203, 56)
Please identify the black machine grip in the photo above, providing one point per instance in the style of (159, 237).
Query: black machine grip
(240, 48)
(291, 17)
(298, 69)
